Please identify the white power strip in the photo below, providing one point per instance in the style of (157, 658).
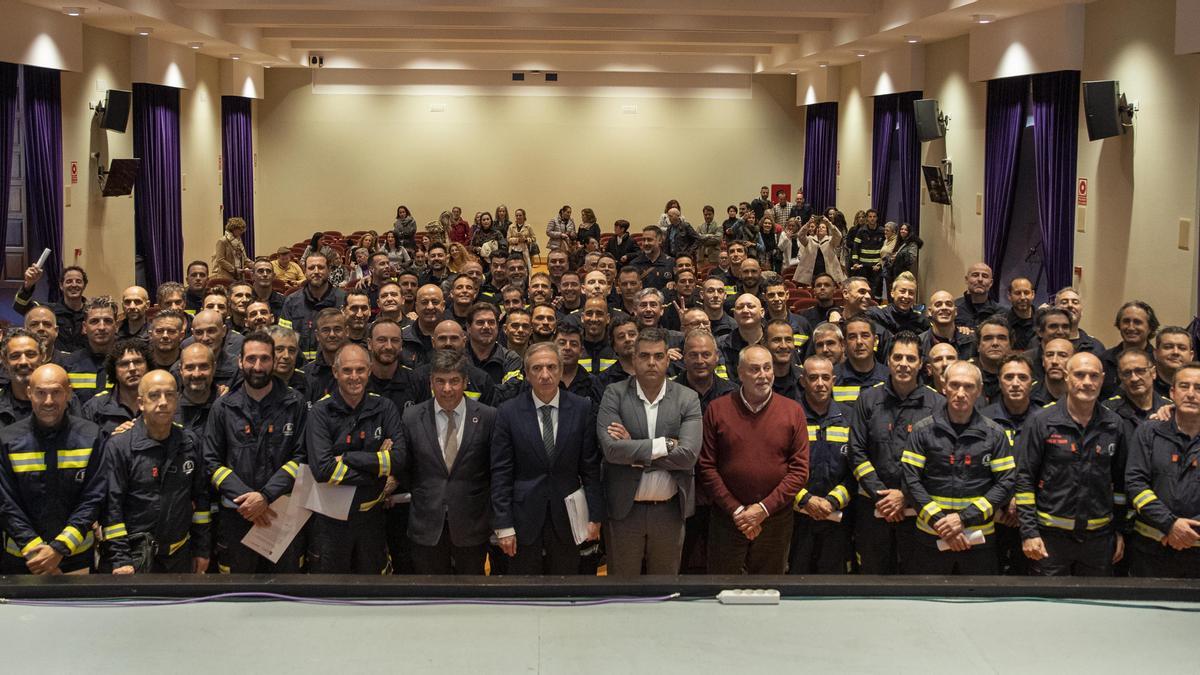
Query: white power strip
(749, 596)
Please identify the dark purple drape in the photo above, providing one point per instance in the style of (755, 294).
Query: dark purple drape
(1001, 145)
(908, 145)
(820, 155)
(158, 214)
(237, 145)
(881, 152)
(1055, 146)
(44, 170)
(8, 115)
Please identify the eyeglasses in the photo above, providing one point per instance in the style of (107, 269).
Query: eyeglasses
(1134, 372)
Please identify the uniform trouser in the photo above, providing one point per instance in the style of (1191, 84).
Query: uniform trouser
(354, 546)
(1149, 558)
(399, 546)
(819, 546)
(545, 552)
(652, 532)
(925, 558)
(1086, 555)
(446, 558)
(80, 563)
(234, 557)
(881, 546)
(1009, 553)
(730, 552)
(695, 541)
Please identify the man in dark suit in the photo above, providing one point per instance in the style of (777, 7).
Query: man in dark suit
(650, 431)
(447, 442)
(544, 449)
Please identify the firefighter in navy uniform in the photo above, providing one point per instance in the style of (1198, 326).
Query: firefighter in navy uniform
(85, 366)
(958, 470)
(300, 308)
(353, 438)
(124, 367)
(1163, 479)
(253, 447)
(880, 423)
(860, 345)
(1010, 410)
(821, 539)
(51, 484)
(1070, 480)
(156, 516)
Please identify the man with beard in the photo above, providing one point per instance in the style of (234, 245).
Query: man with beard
(166, 334)
(597, 351)
(1020, 315)
(209, 330)
(196, 368)
(1055, 355)
(301, 308)
(975, 305)
(240, 295)
(358, 313)
(656, 268)
(134, 302)
(22, 353)
(125, 366)
(253, 447)
(1052, 323)
(438, 270)
(544, 320)
(623, 334)
(85, 367)
(484, 348)
(258, 316)
(1069, 299)
(287, 350)
(824, 287)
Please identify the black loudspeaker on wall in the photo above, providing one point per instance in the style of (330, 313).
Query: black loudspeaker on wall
(931, 124)
(114, 114)
(1105, 109)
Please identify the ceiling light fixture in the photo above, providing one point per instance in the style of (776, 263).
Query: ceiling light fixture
(73, 11)
(195, 45)
(236, 57)
(982, 19)
(912, 39)
(144, 31)
(822, 64)
(792, 73)
(860, 54)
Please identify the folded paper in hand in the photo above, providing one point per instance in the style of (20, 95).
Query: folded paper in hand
(323, 498)
(272, 540)
(577, 511)
(974, 538)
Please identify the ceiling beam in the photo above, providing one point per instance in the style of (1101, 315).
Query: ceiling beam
(529, 47)
(534, 35)
(829, 9)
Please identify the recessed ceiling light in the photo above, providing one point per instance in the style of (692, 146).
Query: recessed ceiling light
(982, 18)
(73, 11)
(860, 54)
(236, 57)
(266, 65)
(912, 39)
(822, 64)
(792, 73)
(195, 45)
(144, 31)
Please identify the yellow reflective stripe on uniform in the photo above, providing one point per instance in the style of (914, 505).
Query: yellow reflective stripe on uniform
(1069, 523)
(512, 374)
(1012, 436)
(984, 506)
(24, 550)
(27, 461)
(952, 503)
(814, 431)
(82, 380)
(116, 531)
(201, 517)
(586, 364)
(986, 529)
(721, 371)
(178, 545)
(1025, 499)
(473, 395)
(864, 469)
(1143, 498)
(607, 362)
(71, 537)
(799, 339)
(799, 498)
(285, 323)
(913, 459)
(223, 569)
(74, 459)
(339, 473)
(730, 290)
(310, 356)
(220, 475)
(840, 494)
(846, 393)
(838, 434)
(1004, 464)
(385, 462)
(928, 511)
(291, 468)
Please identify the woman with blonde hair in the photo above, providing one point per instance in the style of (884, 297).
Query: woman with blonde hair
(230, 259)
(459, 256)
(521, 236)
(818, 253)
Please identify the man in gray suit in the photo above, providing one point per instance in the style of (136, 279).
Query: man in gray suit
(650, 432)
(447, 441)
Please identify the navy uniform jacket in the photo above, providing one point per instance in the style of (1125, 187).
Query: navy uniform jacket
(357, 435)
(106, 411)
(880, 425)
(300, 314)
(1163, 478)
(85, 370)
(828, 456)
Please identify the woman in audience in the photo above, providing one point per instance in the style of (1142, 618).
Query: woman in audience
(397, 255)
(405, 227)
(789, 244)
(731, 221)
(663, 221)
(501, 220)
(338, 273)
(768, 244)
(904, 258)
(521, 236)
(420, 261)
(487, 239)
(885, 253)
(459, 256)
(359, 268)
(369, 240)
(459, 231)
(229, 260)
(588, 229)
(818, 253)
(561, 231)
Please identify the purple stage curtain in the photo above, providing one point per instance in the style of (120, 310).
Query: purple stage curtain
(1001, 145)
(881, 152)
(8, 116)
(237, 148)
(909, 148)
(1055, 146)
(158, 214)
(820, 155)
(44, 171)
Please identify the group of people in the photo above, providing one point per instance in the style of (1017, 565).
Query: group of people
(708, 426)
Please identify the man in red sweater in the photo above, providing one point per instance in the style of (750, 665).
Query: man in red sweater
(753, 462)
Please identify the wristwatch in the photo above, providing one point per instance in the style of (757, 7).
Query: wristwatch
(671, 443)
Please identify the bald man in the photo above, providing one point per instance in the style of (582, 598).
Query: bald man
(51, 483)
(134, 303)
(748, 312)
(975, 305)
(1071, 480)
(430, 306)
(156, 525)
(480, 386)
(209, 329)
(943, 315)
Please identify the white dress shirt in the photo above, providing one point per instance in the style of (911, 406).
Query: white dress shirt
(656, 485)
(537, 407)
(441, 420)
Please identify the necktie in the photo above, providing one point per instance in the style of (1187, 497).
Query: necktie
(450, 446)
(547, 430)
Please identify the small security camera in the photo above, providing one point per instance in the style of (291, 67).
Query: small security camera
(316, 61)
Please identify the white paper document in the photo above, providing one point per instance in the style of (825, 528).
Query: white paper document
(836, 517)
(577, 511)
(323, 498)
(908, 513)
(271, 541)
(974, 538)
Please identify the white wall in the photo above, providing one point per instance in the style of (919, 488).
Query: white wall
(855, 114)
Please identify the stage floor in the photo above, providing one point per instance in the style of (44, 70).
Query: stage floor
(850, 636)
